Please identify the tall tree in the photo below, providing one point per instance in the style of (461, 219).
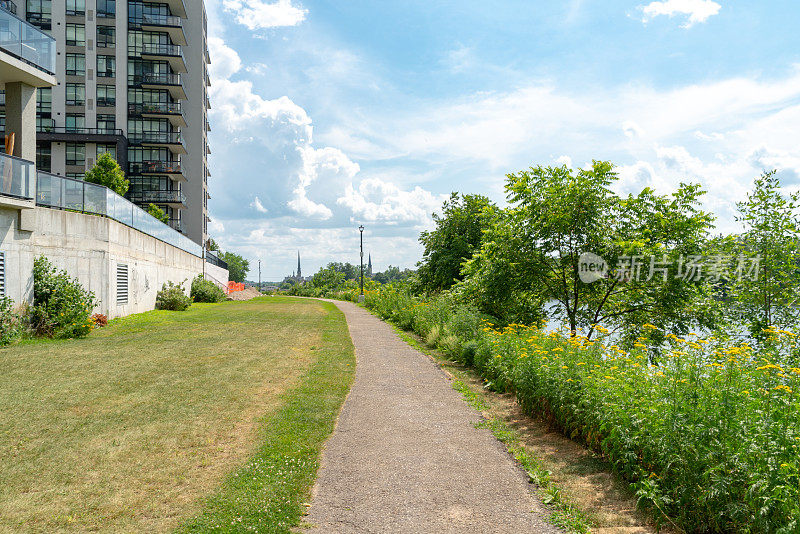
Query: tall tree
(763, 289)
(237, 266)
(457, 236)
(106, 171)
(529, 267)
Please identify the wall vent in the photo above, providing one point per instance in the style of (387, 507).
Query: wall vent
(2, 274)
(122, 283)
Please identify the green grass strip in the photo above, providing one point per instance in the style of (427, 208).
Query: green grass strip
(269, 493)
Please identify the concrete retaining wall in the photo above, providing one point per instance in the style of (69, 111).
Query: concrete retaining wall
(91, 248)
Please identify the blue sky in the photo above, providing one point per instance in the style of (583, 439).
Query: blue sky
(330, 114)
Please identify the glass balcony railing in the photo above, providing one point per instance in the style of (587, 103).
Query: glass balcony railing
(155, 108)
(155, 138)
(155, 167)
(213, 259)
(65, 193)
(49, 127)
(27, 42)
(17, 177)
(156, 20)
(156, 49)
(158, 197)
(154, 79)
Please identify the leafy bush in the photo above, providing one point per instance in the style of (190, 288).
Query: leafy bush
(172, 297)
(10, 323)
(62, 308)
(206, 291)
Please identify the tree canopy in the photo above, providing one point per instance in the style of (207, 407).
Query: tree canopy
(237, 266)
(457, 236)
(528, 268)
(106, 171)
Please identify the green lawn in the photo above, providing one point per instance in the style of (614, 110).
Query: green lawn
(195, 420)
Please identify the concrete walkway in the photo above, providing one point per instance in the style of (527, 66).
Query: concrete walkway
(405, 456)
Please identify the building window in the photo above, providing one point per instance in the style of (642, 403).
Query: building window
(110, 149)
(106, 95)
(44, 124)
(106, 36)
(76, 94)
(76, 154)
(75, 122)
(106, 8)
(75, 175)
(76, 35)
(76, 7)
(76, 64)
(40, 13)
(44, 101)
(43, 157)
(106, 123)
(106, 65)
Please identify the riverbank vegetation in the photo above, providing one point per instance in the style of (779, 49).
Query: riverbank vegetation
(629, 324)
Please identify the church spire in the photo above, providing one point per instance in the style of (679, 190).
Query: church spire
(299, 273)
(369, 265)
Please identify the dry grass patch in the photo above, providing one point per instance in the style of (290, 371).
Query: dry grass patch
(129, 429)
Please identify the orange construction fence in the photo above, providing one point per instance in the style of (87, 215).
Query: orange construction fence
(234, 286)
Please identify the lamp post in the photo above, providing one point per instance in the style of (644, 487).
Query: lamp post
(259, 276)
(361, 296)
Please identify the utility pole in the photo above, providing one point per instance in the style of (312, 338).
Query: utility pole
(361, 296)
(259, 276)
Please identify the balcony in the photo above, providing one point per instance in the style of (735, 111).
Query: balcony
(176, 7)
(170, 110)
(173, 198)
(46, 131)
(8, 5)
(26, 54)
(161, 23)
(171, 140)
(171, 82)
(17, 182)
(172, 169)
(160, 52)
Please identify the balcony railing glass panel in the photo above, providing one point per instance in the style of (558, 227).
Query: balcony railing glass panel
(66, 193)
(17, 177)
(27, 42)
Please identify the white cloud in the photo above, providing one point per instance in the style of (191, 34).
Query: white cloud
(258, 206)
(257, 14)
(564, 160)
(377, 200)
(697, 11)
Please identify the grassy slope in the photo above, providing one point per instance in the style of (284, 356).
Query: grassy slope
(130, 429)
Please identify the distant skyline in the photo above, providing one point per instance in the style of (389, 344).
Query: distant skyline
(326, 115)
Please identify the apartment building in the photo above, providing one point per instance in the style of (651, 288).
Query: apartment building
(133, 82)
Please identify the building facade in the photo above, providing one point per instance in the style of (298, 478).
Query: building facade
(133, 82)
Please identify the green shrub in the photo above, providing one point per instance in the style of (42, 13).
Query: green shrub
(10, 323)
(206, 291)
(172, 297)
(62, 308)
(468, 352)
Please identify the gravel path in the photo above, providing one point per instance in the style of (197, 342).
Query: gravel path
(406, 457)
